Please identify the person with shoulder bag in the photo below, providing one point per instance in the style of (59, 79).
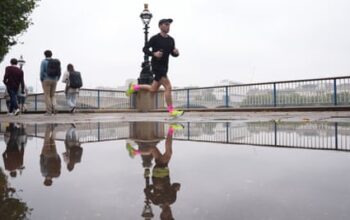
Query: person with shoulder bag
(73, 82)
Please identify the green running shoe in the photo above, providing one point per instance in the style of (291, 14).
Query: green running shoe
(130, 89)
(131, 150)
(176, 113)
(177, 126)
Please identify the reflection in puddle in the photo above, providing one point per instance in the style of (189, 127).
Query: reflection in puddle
(15, 138)
(11, 206)
(311, 135)
(50, 161)
(60, 148)
(160, 191)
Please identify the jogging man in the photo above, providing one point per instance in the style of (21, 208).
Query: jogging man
(162, 46)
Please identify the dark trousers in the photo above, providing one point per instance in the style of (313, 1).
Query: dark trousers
(13, 99)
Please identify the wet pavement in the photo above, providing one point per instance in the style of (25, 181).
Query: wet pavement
(199, 166)
(343, 116)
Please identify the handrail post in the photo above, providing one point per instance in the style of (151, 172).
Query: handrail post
(227, 132)
(336, 135)
(274, 95)
(157, 95)
(188, 98)
(98, 131)
(275, 131)
(335, 91)
(98, 99)
(188, 130)
(36, 102)
(226, 97)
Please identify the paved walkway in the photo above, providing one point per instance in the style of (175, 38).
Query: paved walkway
(338, 116)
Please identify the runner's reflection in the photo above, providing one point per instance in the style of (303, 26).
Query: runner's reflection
(50, 161)
(161, 192)
(15, 138)
(73, 149)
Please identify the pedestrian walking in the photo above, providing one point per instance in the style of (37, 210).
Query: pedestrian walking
(13, 78)
(73, 82)
(50, 73)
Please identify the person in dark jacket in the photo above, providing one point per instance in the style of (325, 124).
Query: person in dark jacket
(13, 78)
(13, 156)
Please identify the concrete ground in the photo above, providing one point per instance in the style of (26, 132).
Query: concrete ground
(338, 116)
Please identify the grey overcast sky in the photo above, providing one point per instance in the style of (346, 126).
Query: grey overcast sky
(240, 40)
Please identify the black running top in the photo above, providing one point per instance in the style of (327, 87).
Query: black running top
(163, 44)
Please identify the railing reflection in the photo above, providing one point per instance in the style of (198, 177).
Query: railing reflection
(311, 135)
(88, 132)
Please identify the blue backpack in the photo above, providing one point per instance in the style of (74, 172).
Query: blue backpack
(75, 80)
(54, 68)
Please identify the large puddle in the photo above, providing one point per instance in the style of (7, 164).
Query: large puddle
(152, 170)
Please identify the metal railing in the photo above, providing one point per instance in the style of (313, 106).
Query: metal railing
(326, 92)
(297, 93)
(87, 99)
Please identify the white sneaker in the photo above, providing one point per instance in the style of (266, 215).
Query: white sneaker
(9, 113)
(17, 112)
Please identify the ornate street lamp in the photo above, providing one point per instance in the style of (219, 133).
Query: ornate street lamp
(21, 62)
(146, 76)
(147, 212)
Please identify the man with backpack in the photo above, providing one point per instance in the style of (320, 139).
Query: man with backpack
(73, 82)
(50, 73)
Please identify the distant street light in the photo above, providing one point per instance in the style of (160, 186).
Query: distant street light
(21, 62)
(146, 76)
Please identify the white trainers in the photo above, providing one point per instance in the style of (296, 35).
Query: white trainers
(17, 112)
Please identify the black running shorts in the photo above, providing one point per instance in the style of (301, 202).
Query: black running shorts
(159, 72)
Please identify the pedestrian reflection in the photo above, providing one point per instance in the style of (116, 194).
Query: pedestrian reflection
(15, 138)
(73, 149)
(161, 192)
(50, 161)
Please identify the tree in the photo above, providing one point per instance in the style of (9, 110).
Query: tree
(14, 20)
(11, 207)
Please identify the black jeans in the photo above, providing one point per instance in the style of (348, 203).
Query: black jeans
(13, 99)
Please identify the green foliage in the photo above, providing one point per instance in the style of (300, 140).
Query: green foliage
(14, 20)
(11, 207)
